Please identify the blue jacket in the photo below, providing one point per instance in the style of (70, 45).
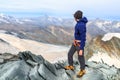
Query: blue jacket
(80, 32)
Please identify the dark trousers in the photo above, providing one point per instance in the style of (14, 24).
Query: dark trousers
(81, 58)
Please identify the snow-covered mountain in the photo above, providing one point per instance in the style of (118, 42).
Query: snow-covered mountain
(45, 20)
(13, 44)
(100, 26)
(109, 36)
(54, 28)
(105, 49)
(39, 21)
(9, 19)
(98, 50)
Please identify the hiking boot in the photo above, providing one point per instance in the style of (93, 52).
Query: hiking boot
(69, 67)
(81, 73)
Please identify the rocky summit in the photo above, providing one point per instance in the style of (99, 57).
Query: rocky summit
(27, 66)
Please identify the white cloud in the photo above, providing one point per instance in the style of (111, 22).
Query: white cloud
(102, 7)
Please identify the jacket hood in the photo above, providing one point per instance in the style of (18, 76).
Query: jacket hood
(84, 19)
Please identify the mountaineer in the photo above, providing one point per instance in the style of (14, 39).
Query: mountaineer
(78, 43)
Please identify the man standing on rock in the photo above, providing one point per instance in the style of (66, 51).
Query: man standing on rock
(78, 43)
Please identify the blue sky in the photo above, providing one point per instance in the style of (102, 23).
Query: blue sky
(62, 8)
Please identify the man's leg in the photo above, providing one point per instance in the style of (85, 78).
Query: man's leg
(70, 54)
(81, 59)
(82, 64)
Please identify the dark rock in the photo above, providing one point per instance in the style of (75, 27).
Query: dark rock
(35, 75)
(27, 55)
(27, 66)
(46, 73)
(1, 60)
(31, 63)
(51, 67)
(17, 70)
(93, 75)
(6, 57)
(1, 40)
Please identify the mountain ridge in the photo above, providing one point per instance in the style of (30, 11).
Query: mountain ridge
(108, 51)
(54, 29)
(27, 66)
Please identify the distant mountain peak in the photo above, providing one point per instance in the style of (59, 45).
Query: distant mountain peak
(9, 19)
(5, 16)
(2, 15)
(109, 36)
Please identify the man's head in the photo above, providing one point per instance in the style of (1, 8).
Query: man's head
(78, 15)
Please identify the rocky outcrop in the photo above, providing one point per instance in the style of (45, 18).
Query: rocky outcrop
(111, 47)
(104, 50)
(27, 66)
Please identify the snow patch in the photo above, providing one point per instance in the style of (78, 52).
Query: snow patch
(99, 57)
(5, 21)
(117, 25)
(27, 20)
(18, 21)
(109, 36)
(3, 31)
(2, 15)
(48, 51)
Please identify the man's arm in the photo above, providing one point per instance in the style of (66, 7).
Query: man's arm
(75, 35)
(82, 30)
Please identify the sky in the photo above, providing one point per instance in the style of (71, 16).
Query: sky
(61, 8)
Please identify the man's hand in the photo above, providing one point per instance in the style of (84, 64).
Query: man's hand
(74, 42)
(81, 52)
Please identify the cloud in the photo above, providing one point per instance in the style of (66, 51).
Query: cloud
(67, 7)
